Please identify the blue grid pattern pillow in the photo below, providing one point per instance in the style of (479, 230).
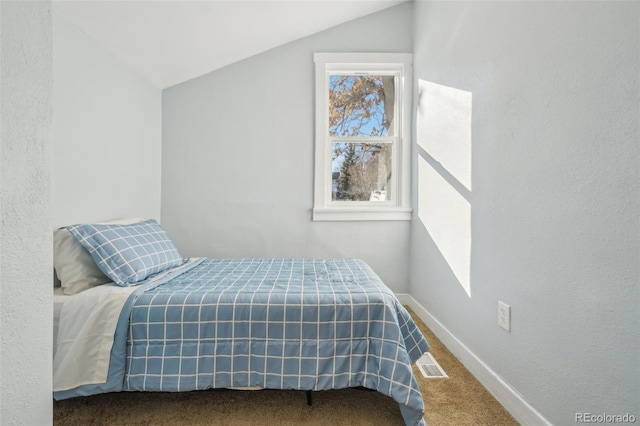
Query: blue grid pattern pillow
(128, 254)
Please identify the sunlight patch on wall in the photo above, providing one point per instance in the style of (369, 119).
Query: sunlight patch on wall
(444, 174)
(444, 128)
(447, 217)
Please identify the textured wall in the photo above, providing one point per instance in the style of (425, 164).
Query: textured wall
(25, 225)
(238, 149)
(106, 133)
(544, 179)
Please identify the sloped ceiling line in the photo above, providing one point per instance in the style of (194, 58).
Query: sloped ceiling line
(170, 42)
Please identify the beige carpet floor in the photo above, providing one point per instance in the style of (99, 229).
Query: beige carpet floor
(457, 400)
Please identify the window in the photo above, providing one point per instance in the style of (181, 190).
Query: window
(362, 166)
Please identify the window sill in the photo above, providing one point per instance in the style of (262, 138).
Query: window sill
(359, 213)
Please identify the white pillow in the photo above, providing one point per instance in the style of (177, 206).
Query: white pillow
(73, 264)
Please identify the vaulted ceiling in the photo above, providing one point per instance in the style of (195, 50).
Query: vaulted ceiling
(173, 41)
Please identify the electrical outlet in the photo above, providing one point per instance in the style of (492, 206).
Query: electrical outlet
(504, 315)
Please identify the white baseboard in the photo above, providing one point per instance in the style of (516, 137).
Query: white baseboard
(506, 395)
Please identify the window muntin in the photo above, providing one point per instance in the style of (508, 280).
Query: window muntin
(362, 162)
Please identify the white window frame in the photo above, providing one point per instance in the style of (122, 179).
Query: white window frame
(399, 207)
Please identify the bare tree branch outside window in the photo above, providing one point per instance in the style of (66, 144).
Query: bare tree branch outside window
(361, 106)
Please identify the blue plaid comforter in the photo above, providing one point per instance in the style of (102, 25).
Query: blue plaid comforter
(307, 324)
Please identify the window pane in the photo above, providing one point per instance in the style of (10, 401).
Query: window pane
(361, 105)
(361, 171)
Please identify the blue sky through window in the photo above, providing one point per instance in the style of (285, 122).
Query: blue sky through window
(356, 106)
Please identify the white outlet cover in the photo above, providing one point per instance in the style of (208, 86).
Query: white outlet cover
(504, 315)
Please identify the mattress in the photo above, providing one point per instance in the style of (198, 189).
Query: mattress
(58, 301)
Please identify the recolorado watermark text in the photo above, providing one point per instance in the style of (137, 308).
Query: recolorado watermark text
(605, 418)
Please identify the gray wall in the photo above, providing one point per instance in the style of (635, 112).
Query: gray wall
(543, 183)
(237, 157)
(26, 305)
(106, 133)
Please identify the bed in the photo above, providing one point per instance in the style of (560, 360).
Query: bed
(155, 321)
